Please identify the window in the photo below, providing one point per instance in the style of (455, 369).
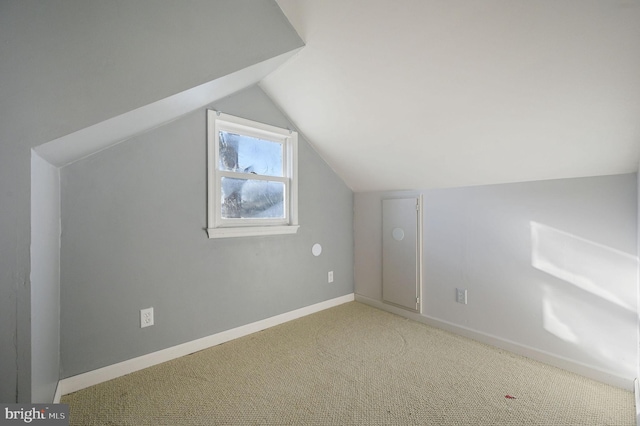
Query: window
(252, 178)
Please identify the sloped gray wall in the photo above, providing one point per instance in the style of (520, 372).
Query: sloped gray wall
(68, 64)
(133, 236)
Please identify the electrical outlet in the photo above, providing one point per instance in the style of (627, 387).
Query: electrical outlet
(146, 317)
(330, 277)
(461, 296)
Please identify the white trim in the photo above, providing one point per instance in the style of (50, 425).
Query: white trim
(57, 395)
(636, 389)
(292, 170)
(251, 231)
(84, 380)
(420, 241)
(608, 377)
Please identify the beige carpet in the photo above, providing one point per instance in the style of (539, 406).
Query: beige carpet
(352, 365)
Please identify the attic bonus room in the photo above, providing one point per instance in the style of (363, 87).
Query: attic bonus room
(342, 212)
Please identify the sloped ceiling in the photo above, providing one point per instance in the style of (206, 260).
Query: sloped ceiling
(417, 94)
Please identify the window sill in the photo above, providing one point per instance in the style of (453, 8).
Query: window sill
(252, 231)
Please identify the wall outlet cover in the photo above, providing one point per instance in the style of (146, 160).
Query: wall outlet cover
(146, 317)
(461, 295)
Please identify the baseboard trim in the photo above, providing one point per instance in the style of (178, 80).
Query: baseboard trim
(636, 388)
(585, 370)
(90, 378)
(56, 395)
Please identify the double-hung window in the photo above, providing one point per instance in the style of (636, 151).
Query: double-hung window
(252, 178)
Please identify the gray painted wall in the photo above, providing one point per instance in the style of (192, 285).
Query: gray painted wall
(549, 265)
(45, 279)
(68, 64)
(133, 236)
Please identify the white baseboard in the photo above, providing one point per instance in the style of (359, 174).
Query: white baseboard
(84, 380)
(57, 395)
(585, 370)
(636, 389)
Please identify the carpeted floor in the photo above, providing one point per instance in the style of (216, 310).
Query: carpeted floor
(352, 365)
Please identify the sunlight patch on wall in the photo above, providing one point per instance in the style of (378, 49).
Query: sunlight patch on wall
(595, 268)
(593, 306)
(596, 327)
(554, 325)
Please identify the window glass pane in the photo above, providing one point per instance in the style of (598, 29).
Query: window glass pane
(239, 153)
(252, 199)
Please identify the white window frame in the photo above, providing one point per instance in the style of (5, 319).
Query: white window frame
(219, 227)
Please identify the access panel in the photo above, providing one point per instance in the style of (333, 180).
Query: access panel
(401, 252)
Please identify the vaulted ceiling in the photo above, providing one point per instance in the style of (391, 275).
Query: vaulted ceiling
(416, 94)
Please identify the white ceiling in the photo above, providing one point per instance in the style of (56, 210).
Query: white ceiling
(415, 94)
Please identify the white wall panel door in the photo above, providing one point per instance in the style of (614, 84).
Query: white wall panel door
(401, 252)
